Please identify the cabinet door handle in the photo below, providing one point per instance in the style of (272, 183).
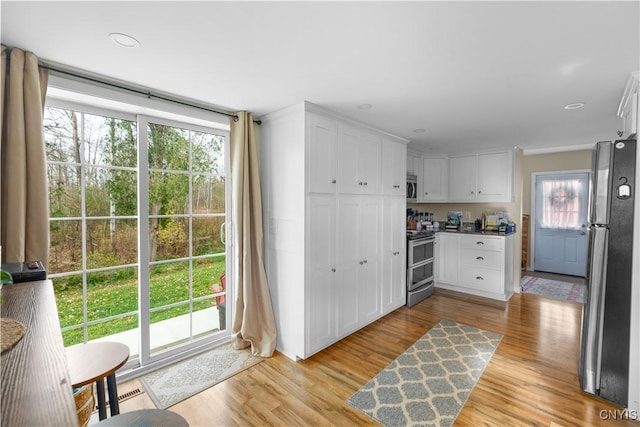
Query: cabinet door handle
(479, 278)
(479, 243)
(480, 258)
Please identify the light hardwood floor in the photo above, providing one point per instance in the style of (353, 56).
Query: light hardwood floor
(531, 379)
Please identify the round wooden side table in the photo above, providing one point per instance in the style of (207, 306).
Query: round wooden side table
(93, 362)
(146, 418)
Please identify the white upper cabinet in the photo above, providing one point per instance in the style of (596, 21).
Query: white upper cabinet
(495, 176)
(393, 168)
(323, 137)
(432, 186)
(462, 178)
(484, 177)
(358, 161)
(410, 160)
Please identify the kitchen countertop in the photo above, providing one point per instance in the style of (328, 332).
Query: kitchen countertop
(482, 232)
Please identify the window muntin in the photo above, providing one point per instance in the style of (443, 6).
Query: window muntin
(93, 191)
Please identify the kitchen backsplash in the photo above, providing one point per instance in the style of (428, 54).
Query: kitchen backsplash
(475, 210)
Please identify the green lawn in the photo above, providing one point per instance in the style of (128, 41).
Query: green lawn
(116, 293)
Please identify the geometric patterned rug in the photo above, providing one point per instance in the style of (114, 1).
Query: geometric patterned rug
(430, 382)
(173, 384)
(553, 289)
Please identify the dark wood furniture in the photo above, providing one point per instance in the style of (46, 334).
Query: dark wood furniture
(93, 362)
(146, 417)
(36, 385)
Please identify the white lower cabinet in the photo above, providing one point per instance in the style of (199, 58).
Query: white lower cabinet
(322, 273)
(394, 251)
(476, 264)
(447, 260)
(358, 296)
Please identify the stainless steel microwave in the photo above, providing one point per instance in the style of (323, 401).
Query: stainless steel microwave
(412, 187)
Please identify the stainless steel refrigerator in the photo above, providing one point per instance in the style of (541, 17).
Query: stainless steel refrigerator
(606, 320)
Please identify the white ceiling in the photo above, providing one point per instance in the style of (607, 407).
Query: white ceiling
(474, 75)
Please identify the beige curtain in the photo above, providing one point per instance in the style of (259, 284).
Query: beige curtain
(24, 203)
(253, 323)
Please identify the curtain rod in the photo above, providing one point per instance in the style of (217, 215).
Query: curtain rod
(142, 92)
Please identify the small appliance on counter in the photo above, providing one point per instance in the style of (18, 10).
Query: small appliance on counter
(454, 220)
(28, 271)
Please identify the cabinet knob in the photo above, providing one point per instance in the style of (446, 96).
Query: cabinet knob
(365, 261)
(360, 183)
(361, 262)
(472, 192)
(333, 181)
(479, 192)
(479, 278)
(333, 270)
(426, 193)
(480, 258)
(365, 183)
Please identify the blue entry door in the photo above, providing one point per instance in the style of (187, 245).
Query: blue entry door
(561, 234)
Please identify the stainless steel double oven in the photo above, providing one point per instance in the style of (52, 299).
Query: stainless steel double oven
(420, 256)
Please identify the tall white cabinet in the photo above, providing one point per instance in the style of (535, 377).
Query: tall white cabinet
(333, 209)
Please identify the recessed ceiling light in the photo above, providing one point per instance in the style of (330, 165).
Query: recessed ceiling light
(124, 40)
(574, 106)
(419, 131)
(365, 107)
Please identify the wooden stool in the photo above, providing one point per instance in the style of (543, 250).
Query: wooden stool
(147, 418)
(92, 362)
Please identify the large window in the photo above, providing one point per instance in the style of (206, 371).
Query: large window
(129, 231)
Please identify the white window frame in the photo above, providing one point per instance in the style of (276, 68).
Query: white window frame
(101, 100)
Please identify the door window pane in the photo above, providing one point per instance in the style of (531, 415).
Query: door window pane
(562, 203)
